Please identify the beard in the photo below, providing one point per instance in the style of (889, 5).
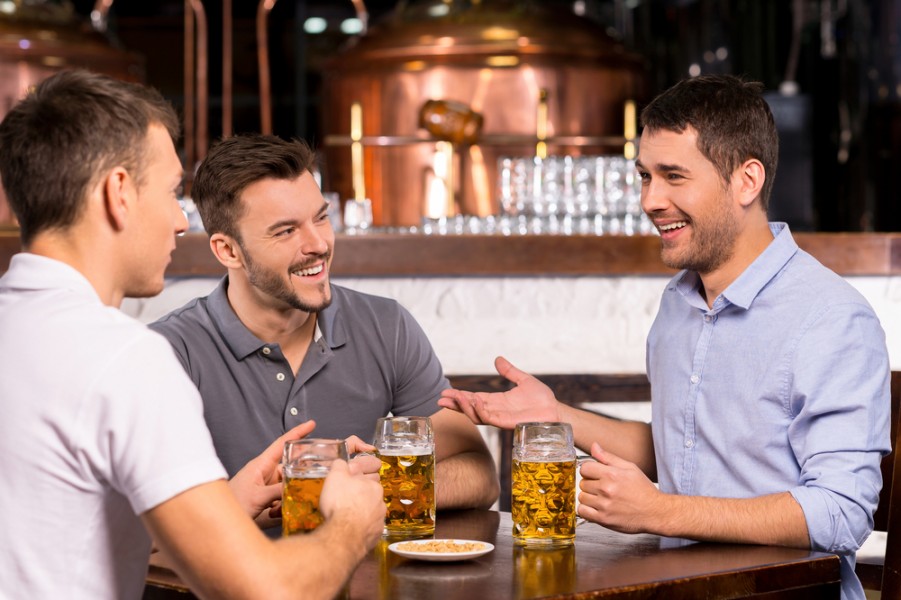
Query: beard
(712, 242)
(274, 285)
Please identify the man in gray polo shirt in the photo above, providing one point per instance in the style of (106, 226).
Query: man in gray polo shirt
(276, 343)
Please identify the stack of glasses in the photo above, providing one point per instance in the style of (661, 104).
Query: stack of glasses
(566, 195)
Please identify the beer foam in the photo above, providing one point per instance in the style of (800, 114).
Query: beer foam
(306, 472)
(405, 451)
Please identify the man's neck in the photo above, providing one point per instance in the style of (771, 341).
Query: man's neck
(748, 246)
(84, 252)
(290, 328)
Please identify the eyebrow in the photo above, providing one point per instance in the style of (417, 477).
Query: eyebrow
(664, 168)
(293, 222)
(280, 224)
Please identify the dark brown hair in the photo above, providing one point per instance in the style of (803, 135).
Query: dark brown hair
(237, 162)
(68, 132)
(731, 118)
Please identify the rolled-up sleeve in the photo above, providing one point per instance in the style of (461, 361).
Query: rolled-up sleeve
(840, 429)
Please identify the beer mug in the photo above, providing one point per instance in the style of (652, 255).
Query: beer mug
(406, 447)
(305, 464)
(544, 485)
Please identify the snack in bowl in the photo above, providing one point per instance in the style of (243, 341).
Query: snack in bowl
(441, 546)
(441, 550)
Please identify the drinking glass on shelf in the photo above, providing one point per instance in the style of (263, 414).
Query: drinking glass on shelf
(357, 216)
(334, 210)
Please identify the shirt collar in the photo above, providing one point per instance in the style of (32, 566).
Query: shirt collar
(29, 271)
(243, 343)
(752, 280)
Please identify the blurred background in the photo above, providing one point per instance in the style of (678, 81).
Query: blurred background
(832, 70)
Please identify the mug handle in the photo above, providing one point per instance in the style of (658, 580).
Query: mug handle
(579, 461)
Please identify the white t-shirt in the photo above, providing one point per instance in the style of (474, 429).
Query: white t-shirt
(98, 424)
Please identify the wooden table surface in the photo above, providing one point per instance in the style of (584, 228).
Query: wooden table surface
(602, 564)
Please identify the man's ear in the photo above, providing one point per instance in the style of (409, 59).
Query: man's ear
(119, 192)
(227, 251)
(751, 177)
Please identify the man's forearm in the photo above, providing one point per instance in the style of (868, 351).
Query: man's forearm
(466, 480)
(334, 551)
(774, 519)
(630, 440)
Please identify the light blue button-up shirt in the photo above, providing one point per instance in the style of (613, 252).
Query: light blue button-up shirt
(782, 386)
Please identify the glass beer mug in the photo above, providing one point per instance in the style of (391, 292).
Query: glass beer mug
(544, 485)
(305, 465)
(406, 447)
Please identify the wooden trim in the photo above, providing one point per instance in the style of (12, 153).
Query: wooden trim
(386, 255)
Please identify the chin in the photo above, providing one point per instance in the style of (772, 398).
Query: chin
(147, 290)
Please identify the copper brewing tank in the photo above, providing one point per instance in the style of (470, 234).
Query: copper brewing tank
(494, 56)
(39, 38)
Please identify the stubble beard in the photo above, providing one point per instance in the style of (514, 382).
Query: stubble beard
(712, 243)
(270, 283)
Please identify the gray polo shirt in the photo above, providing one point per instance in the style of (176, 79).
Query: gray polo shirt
(371, 359)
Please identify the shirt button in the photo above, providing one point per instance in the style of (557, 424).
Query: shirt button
(280, 376)
(266, 350)
(706, 318)
(695, 379)
(689, 443)
(293, 411)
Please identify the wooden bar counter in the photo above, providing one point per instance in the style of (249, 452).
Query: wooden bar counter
(602, 564)
(388, 255)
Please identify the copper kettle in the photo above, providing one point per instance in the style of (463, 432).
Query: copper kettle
(41, 37)
(494, 58)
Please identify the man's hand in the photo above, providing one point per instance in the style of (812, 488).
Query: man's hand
(530, 400)
(355, 499)
(362, 459)
(257, 486)
(617, 494)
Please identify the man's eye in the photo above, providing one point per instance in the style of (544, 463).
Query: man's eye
(285, 232)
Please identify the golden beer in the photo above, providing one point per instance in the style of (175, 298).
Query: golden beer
(408, 480)
(544, 502)
(300, 504)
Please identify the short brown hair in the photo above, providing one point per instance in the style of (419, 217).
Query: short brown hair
(68, 131)
(733, 121)
(237, 162)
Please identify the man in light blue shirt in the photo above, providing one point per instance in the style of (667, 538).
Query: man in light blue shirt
(769, 373)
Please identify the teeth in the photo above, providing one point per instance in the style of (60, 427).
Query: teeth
(671, 226)
(310, 271)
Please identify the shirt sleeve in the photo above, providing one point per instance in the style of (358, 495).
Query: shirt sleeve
(840, 400)
(420, 377)
(145, 433)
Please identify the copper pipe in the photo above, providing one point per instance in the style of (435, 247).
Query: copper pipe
(356, 151)
(263, 63)
(99, 14)
(202, 80)
(541, 124)
(226, 68)
(630, 129)
(189, 95)
(362, 15)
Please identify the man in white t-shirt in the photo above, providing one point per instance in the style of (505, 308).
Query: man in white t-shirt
(103, 439)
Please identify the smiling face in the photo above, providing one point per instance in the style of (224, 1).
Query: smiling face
(692, 207)
(286, 244)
